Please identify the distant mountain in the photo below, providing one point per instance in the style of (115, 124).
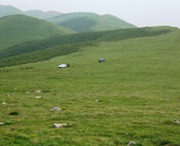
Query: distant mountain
(78, 22)
(82, 22)
(17, 29)
(9, 10)
(41, 14)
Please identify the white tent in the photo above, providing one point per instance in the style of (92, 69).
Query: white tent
(63, 65)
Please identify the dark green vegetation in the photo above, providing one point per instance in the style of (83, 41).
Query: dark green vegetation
(20, 28)
(65, 44)
(83, 22)
(133, 96)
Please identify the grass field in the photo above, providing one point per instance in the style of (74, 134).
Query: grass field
(133, 96)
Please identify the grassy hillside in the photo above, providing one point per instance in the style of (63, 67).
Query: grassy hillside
(83, 22)
(19, 28)
(65, 44)
(133, 96)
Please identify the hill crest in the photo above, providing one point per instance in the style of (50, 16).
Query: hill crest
(17, 29)
(83, 21)
(78, 21)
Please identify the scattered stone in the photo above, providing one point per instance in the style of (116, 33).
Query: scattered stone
(37, 97)
(56, 109)
(2, 123)
(131, 143)
(59, 125)
(27, 92)
(4, 103)
(176, 121)
(37, 91)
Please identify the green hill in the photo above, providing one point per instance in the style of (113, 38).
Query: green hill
(77, 22)
(41, 14)
(6, 10)
(81, 22)
(65, 44)
(20, 28)
(133, 96)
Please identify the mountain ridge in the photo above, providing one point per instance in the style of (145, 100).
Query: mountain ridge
(77, 21)
(6, 10)
(87, 21)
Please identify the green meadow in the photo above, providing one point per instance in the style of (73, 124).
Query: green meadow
(133, 96)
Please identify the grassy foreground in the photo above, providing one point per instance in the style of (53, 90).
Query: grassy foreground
(133, 96)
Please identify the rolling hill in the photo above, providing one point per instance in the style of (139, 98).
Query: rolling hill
(9, 10)
(83, 22)
(6, 10)
(17, 29)
(39, 50)
(77, 22)
(41, 14)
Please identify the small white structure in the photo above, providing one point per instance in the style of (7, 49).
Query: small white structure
(63, 65)
(101, 60)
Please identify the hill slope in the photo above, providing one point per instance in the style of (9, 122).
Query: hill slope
(134, 95)
(20, 28)
(65, 44)
(83, 22)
